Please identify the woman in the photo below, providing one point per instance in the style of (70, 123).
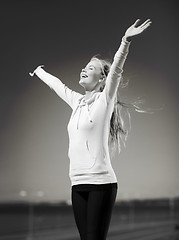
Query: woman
(92, 128)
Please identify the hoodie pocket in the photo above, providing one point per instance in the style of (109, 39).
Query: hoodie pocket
(82, 158)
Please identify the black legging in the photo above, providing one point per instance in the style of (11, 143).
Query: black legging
(92, 206)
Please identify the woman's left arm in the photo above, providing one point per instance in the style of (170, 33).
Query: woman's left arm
(114, 76)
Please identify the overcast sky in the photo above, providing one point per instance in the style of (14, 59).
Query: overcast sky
(64, 35)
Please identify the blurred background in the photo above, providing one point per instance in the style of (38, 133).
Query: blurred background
(63, 36)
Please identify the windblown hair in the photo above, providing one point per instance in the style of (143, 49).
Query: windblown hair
(118, 132)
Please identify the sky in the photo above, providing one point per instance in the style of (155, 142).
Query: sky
(63, 36)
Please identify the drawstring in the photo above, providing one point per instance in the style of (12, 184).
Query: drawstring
(85, 103)
(78, 119)
(89, 113)
(80, 106)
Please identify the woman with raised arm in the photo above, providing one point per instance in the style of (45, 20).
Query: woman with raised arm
(94, 125)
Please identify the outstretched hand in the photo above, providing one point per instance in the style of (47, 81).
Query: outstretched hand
(32, 73)
(134, 30)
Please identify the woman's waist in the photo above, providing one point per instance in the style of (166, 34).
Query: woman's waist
(94, 187)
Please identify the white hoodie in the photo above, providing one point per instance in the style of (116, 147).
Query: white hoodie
(89, 124)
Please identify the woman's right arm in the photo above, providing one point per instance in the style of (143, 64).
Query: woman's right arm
(56, 84)
(46, 77)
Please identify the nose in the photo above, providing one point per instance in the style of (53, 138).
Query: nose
(83, 70)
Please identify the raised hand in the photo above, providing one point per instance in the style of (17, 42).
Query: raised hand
(136, 30)
(32, 73)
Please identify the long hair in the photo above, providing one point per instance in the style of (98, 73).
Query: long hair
(118, 131)
(120, 122)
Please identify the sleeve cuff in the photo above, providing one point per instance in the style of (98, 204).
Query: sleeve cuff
(125, 41)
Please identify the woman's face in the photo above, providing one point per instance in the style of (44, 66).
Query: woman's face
(90, 76)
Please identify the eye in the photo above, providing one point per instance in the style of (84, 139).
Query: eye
(91, 68)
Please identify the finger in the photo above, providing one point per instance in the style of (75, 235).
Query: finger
(146, 26)
(31, 74)
(146, 22)
(136, 22)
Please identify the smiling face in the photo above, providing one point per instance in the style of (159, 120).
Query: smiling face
(91, 76)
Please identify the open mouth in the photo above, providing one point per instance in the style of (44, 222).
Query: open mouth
(84, 75)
